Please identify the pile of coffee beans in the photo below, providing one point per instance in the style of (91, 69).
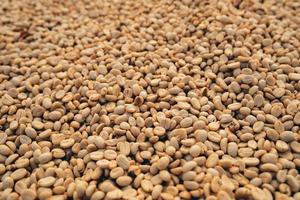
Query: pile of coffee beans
(149, 99)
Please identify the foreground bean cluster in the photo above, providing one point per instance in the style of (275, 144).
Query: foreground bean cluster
(149, 99)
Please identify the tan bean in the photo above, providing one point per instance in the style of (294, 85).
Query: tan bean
(195, 150)
(97, 155)
(269, 158)
(45, 157)
(156, 191)
(47, 181)
(212, 160)
(67, 143)
(5, 150)
(98, 195)
(293, 183)
(18, 174)
(129, 193)
(123, 161)
(281, 146)
(258, 126)
(116, 172)
(28, 194)
(30, 132)
(189, 166)
(159, 131)
(115, 194)
(55, 115)
(37, 125)
(124, 180)
(163, 163)
(110, 154)
(146, 185)
(232, 149)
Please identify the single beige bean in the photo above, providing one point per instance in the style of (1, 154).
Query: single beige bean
(2, 169)
(45, 157)
(287, 136)
(129, 193)
(189, 175)
(23, 162)
(115, 194)
(98, 195)
(258, 100)
(295, 146)
(7, 100)
(214, 136)
(189, 166)
(47, 103)
(180, 133)
(5, 150)
(166, 196)
(297, 118)
(24, 139)
(147, 186)
(58, 153)
(234, 106)
(97, 155)
(159, 131)
(124, 148)
(278, 92)
(269, 158)
(37, 125)
(269, 167)
(28, 194)
(110, 154)
(272, 134)
(225, 163)
(214, 126)
(13, 125)
(103, 163)
(195, 150)
(55, 115)
(258, 126)
(124, 180)
(196, 103)
(233, 65)
(47, 181)
(116, 172)
(212, 160)
(293, 183)
(245, 152)
(67, 143)
(281, 176)
(123, 161)
(257, 193)
(163, 163)
(156, 191)
(294, 76)
(44, 193)
(191, 185)
(232, 149)
(30, 132)
(165, 175)
(225, 118)
(18, 174)
(186, 122)
(281, 146)
(60, 94)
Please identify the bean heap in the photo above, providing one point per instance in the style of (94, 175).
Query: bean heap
(154, 99)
